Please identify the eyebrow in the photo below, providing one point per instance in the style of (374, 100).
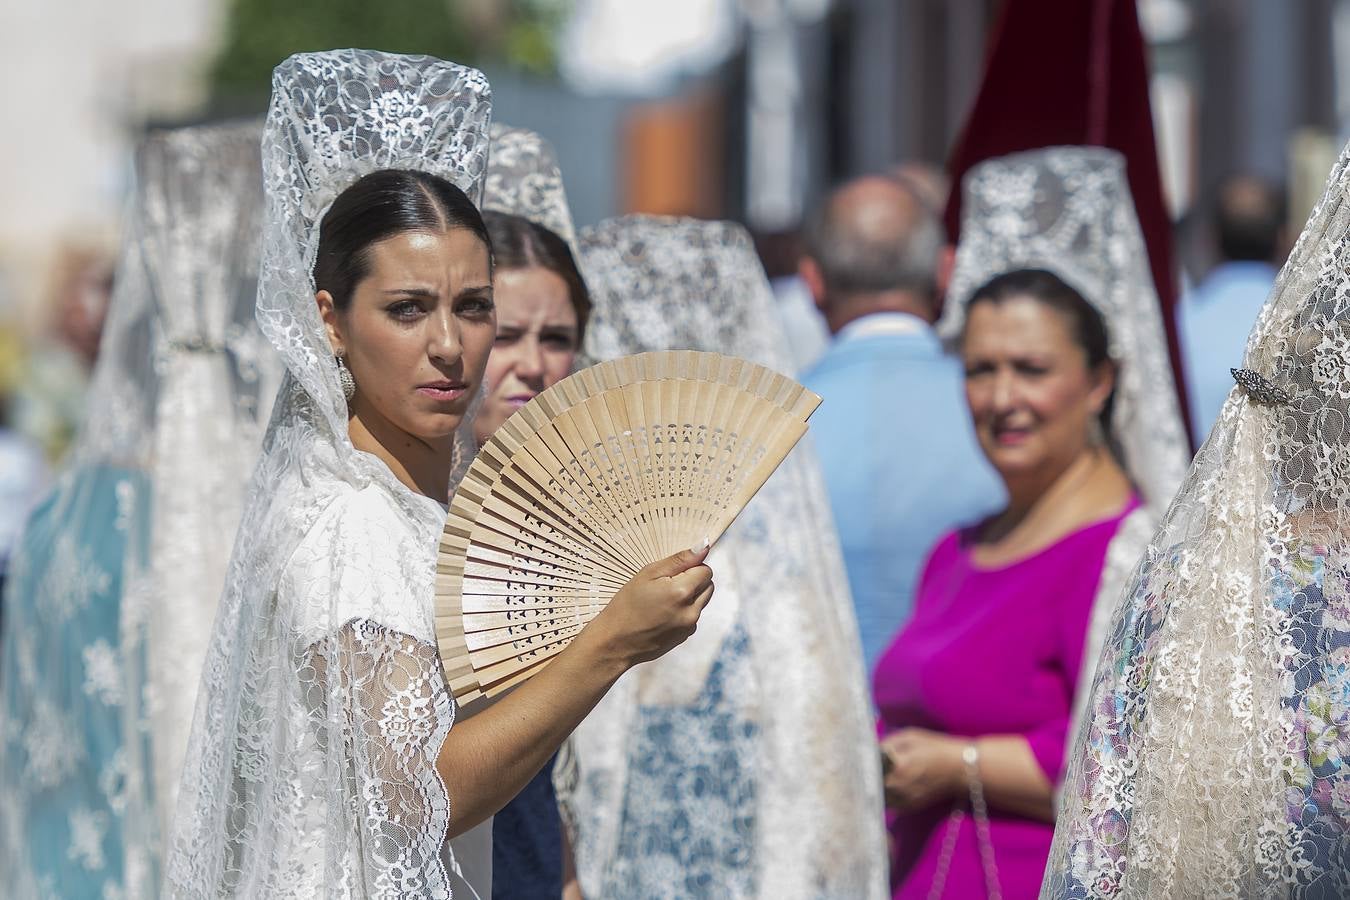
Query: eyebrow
(482, 290)
(422, 293)
(419, 292)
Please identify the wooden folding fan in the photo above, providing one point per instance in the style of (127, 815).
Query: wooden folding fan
(615, 467)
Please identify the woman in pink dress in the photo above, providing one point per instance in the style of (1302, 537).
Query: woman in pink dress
(1053, 307)
(976, 692)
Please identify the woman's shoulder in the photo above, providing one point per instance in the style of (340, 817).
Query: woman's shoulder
(374, 516)
(950, 549)
(361, 556)
(953, 541)
(357, 517)
(1081, 544)
(1107, 524)
(1088, 543)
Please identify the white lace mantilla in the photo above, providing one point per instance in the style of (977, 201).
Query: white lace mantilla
(524, 180)
(1215, 758)
(1069, 210)
(322, 707)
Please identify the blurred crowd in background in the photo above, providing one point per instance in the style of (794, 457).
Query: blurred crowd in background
(830, 129)
(740, 109)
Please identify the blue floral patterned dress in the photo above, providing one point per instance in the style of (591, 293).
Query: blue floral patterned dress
(65, 767)
(688, 828)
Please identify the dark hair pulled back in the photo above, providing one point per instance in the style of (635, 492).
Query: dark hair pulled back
(380, 205)
(518, 243)
(1086, 325)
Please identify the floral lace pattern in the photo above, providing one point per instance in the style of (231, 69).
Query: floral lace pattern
(1212, 761)
(75, 813)
(710, 850)
(735, 717)
(322, 705)
(523, 180)
(1068, 210)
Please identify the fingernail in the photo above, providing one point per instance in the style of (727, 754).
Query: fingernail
(700, 546)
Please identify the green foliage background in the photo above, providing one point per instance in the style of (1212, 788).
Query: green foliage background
(261, 33)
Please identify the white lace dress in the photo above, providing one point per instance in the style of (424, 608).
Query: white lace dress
(342, 716)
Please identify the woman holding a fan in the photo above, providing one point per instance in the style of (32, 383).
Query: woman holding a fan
(323, 761)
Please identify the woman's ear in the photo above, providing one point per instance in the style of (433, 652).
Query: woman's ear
(331, 321)
(1103, 383)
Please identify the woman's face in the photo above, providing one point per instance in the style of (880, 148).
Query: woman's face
(417, 332)
(1031, 393)
(536, 342)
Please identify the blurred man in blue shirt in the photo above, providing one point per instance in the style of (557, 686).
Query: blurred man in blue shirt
(899, 453)
(1214, 319)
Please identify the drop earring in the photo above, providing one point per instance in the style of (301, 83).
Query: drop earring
(346, 380)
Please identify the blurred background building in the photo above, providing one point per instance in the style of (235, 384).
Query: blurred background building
(745, 109)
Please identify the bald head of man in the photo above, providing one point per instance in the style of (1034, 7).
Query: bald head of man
(872, 246)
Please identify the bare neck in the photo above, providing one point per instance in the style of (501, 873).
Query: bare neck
(424, 467)
(842, 312)
(1045, 506)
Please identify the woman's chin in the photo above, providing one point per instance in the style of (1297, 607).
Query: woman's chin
(437, 428)
(1014, 460)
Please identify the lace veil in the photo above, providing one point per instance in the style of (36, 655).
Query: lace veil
(523, 179)
(202, 196)
(1214, 760)
(769, 786)
(322, 705)
(120, 568)
(1069, 210)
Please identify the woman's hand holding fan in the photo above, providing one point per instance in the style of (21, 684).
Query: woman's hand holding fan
(581, 499)
(656, 611)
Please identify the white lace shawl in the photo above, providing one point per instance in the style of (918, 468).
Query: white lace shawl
(322, 705)
(1215, 761)
(773, 747)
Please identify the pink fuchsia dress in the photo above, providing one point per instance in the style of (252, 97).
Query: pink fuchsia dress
(990, 651)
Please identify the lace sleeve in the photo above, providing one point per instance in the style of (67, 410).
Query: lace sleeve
(357, 596)
(381, 707)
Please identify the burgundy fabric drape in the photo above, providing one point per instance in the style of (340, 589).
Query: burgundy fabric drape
(1074, 72)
